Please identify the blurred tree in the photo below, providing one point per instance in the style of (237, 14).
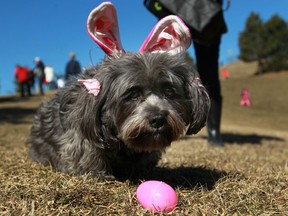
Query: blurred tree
(265, 42)
(251, 40)
(276, 46)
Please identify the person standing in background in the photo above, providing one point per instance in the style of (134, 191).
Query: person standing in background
(73, 67)
(21, 73)
(245, 101)
(39, 73)
(49, 76)
(225, 73)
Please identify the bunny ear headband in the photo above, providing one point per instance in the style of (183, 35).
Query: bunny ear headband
(170, 35)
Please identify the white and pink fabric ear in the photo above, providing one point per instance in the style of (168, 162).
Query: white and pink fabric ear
(170, 34)
(102, 26)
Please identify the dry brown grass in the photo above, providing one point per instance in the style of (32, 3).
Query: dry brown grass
(249, 176)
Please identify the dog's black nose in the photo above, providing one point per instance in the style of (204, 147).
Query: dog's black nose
(158, 120)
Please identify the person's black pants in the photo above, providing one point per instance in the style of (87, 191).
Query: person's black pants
(208, 67)
(40, 85)
(25, 87)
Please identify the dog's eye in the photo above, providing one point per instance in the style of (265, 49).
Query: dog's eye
(134, 94)
(168, 92)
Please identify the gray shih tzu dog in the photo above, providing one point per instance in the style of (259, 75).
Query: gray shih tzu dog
(123, 113)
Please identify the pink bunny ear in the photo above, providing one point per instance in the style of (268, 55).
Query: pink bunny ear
(170, 35)
(102, 26)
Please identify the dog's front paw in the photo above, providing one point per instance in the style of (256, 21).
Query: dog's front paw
(106, 177)
(100, 176)
(103, 176)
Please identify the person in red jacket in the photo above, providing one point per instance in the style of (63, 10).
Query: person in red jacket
(21, 73)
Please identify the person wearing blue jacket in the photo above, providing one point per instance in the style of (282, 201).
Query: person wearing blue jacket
(73, 67)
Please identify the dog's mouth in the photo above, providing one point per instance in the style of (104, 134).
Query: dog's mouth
(155, 135)
(152, 140)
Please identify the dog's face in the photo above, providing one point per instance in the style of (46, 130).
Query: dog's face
(146, 101)
(152, 106)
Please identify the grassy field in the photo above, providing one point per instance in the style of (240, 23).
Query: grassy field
(249, 176)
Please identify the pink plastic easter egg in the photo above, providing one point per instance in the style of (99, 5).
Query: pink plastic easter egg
(157, 196)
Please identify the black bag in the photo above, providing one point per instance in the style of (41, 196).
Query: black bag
(203, 17)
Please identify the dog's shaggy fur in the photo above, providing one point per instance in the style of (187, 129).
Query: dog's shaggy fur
(146, 101)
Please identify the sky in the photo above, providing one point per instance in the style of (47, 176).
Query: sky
(50, 29)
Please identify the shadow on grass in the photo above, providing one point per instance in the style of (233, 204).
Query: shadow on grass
(233, 138)
(16, 115)
(10, 98)
(183, 177)
(241, 139)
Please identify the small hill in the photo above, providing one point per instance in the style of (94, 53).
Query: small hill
(267, 92)
(240, 69)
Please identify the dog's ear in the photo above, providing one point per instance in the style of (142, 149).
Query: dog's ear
(201, 105)
(80, 106)
(170, 35)
(102, 26)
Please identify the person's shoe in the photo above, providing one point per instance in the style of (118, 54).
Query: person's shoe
(215, 138)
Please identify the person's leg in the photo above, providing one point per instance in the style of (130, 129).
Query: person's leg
(207, 64)
(28, 88)
(248, 103)
(41, 87)
(22, 89)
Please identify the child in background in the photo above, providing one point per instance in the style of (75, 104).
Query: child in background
(245, 101)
